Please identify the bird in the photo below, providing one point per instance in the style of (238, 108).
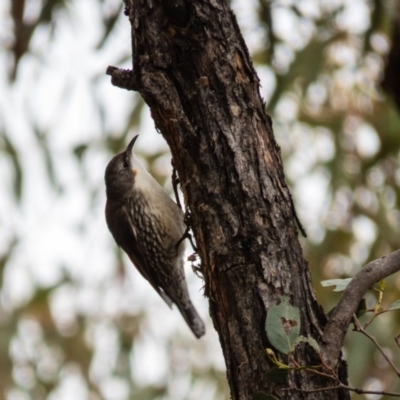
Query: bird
(149, 226)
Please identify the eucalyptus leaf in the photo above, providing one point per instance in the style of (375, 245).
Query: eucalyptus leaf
(395, 305)
(341, 284)
(311, 341)
(277, 375)
(283, 325)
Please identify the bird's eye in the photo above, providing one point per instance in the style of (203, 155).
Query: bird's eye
(125, 164)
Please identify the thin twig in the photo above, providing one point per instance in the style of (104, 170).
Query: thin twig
(296, 218)
(333, 375)
(397, 340)
(322, 374)
(186, 235)
(341, 386)
(374, 316)
(376, 308)
(175, 181)
(359, 328)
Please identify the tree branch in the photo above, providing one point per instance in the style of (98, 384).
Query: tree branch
(336, 328)
(122, 78)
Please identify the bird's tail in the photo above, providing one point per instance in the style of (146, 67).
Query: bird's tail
(193, 319)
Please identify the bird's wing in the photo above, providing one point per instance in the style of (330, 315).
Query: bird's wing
(126, 238)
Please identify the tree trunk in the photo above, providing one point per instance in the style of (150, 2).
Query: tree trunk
(192, 67)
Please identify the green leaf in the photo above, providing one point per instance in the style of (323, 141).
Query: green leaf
(311, 341)
(395, 305)
(341, 284)
(277, 375)
(283, 325)
(263, 396)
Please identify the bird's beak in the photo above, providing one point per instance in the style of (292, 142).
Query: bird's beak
(129, 149)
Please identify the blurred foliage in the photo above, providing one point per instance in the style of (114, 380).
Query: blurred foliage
(79, 331)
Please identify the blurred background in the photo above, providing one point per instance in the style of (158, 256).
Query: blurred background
(76, 319)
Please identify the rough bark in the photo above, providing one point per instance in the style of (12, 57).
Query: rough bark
(192, 68)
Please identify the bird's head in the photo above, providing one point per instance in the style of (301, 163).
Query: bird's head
(120, 173)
